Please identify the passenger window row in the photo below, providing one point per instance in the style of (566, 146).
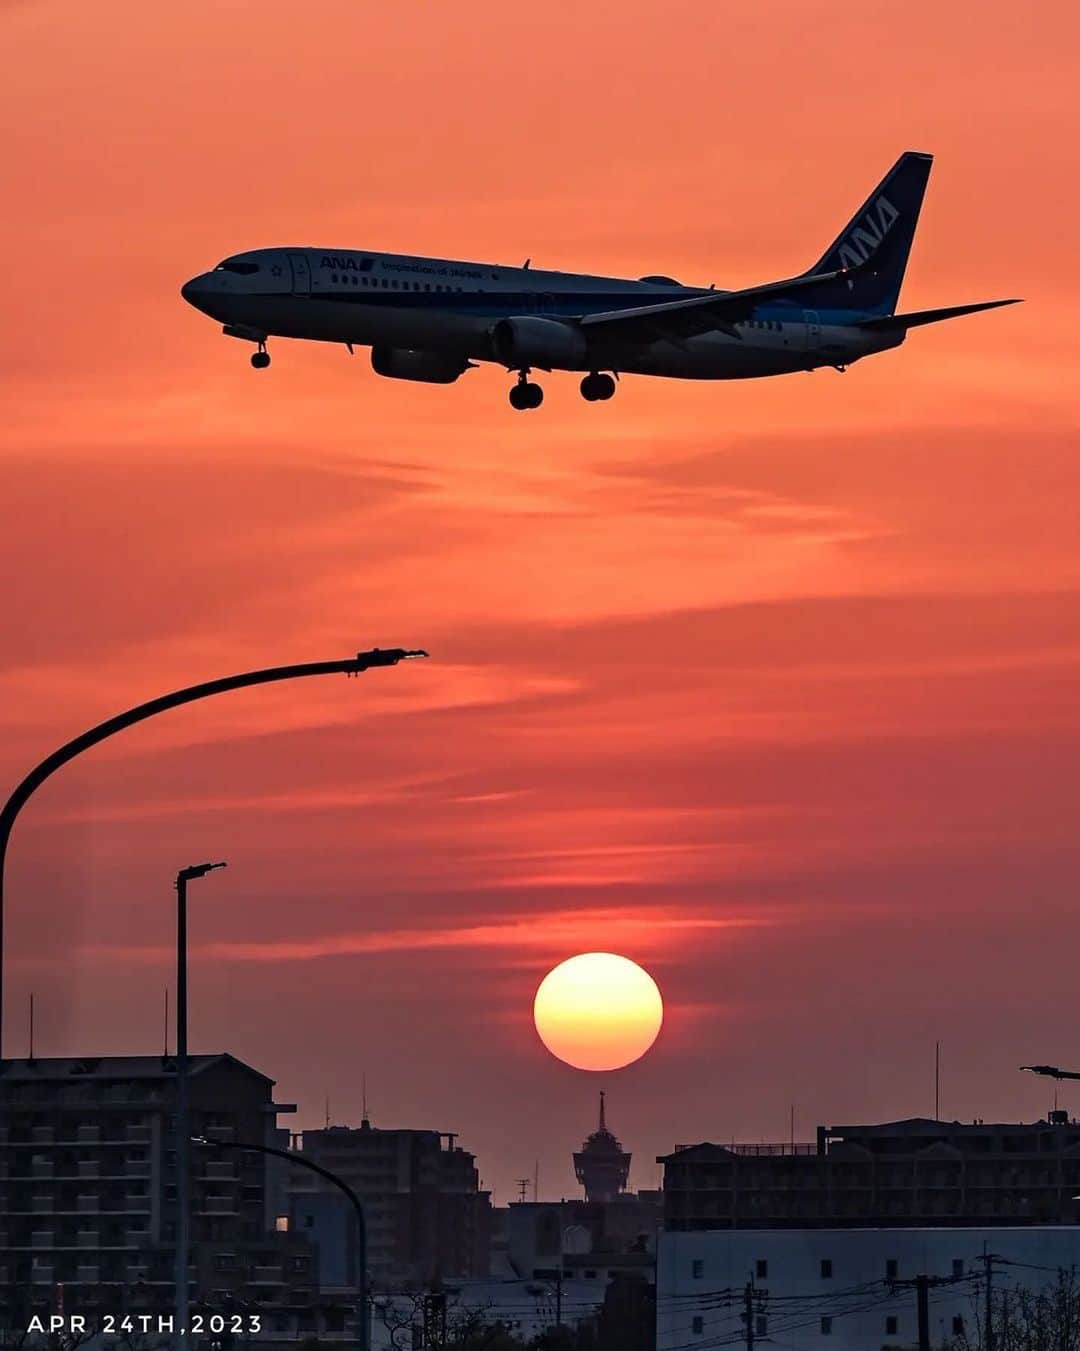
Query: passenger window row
(390, 285)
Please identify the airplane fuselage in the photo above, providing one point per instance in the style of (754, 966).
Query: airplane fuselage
(449, 308)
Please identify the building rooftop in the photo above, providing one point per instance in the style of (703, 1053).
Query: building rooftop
(113, 1067)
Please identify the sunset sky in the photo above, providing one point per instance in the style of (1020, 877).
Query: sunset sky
(771, 687)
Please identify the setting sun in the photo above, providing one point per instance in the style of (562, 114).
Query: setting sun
(598, 1011)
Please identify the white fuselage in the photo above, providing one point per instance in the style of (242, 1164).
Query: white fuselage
(449, 308)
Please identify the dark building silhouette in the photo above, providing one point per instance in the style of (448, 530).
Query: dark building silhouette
(602, 1166)
(901, 1173)
(426, 1215)
(88, 1188)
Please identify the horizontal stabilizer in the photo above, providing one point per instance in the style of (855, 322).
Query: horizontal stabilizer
(890, 323)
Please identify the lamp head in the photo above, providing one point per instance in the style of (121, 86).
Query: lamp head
(198, 870)
(387, 656)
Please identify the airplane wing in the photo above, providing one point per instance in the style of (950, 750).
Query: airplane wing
(717, 311)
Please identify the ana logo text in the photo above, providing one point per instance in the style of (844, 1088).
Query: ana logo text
(861, 242)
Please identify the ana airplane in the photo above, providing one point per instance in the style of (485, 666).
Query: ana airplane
(432, 319)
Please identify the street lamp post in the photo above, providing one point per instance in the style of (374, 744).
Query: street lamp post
(1051, 1072)
(183, 1129)
(361, 1227)
(37, 776)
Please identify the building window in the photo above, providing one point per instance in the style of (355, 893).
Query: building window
(699, 1325)
(891, 1268)
(762, 1270)
(826, 1268)
(590, 1275)
(826, 1327)
(958, 1266)
(281, 1224)
(697, 1268)
(892, 1326)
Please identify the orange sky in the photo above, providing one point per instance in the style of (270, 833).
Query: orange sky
(770, 686)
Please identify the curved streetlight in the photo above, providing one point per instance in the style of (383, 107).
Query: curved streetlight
(363, 661)
(1051, 1072)
(342, 1185)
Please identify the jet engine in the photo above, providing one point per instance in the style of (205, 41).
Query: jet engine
(522, 342)
(405, 363)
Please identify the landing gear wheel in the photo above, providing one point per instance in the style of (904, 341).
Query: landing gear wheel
(596, 386)
(261, 359)
(526, 395)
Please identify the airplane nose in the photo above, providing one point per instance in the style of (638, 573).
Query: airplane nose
(191, 291)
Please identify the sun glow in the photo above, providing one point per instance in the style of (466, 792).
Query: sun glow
(598, 1011)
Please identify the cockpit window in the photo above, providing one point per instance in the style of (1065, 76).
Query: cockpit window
(234, 265)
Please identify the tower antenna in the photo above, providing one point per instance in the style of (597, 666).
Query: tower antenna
(603, 1124)
(363, 1098)
(165, 1028)
(31, 1024)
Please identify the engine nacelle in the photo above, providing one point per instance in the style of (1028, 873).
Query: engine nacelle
(547, 343)
(405, 363)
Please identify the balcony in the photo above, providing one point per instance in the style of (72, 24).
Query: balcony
(41, 1168)
(41, 1238)
(88, 1238)
(220, 1172)
(266, 1276)
(217, 1205)
(87, 1275)
(89, 1135)
(136, 1135)
(41, 1275)
(89, 1168)
(88, 1203)
(136, 1168)
(40, 1205)
(136, 1238)
(42, 1135)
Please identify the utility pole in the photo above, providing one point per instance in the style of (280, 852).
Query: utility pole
(922, 1295)
(922, 1284)
(748, 1314)
(988, 1312)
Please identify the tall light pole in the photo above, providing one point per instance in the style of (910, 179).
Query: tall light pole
(361, 1225)
(37, 776)
(183, 1129)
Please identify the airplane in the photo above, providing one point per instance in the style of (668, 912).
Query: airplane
(432, 319)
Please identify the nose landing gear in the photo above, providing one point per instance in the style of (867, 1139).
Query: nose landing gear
(597, 387)
(261, 359)
(526, 394)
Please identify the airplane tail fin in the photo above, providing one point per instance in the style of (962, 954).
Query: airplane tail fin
(876, 241)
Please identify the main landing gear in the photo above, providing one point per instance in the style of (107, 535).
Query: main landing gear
(597, 386)
(526, 394)
(261, 359)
